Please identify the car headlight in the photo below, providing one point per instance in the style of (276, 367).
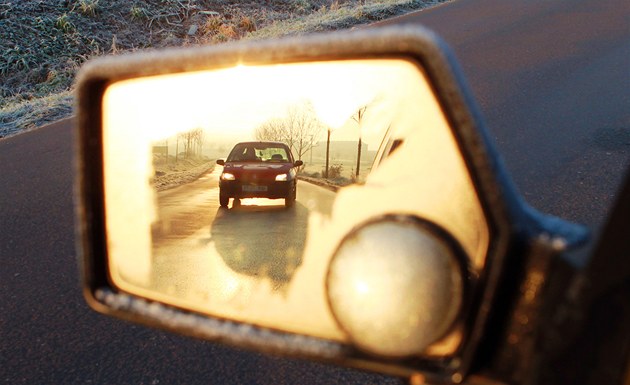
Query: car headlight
(282, 177)
(227, 176)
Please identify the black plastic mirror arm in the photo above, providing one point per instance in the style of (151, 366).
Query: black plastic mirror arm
(574, 314)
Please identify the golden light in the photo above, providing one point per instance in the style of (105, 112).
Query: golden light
(229, 104)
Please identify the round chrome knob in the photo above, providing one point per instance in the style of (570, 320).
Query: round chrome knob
(395, 286)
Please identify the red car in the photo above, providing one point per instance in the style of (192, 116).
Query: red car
(258, 170)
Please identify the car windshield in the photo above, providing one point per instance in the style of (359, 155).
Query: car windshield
(258, 152)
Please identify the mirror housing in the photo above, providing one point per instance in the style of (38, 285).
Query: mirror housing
(522, 247)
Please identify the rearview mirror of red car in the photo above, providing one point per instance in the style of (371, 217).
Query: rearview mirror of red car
(333, 197)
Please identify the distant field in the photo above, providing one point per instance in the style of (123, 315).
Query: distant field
(44, 43)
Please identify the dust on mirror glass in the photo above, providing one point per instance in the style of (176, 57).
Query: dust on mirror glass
(306, 152)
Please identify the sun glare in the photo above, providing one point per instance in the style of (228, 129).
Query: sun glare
(237, 100)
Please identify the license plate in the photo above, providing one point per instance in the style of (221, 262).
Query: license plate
(254, 188)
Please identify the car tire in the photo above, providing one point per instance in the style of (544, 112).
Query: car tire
(290, 199)
(224, 200)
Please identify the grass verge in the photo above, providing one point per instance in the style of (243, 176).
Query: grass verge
(44, 43)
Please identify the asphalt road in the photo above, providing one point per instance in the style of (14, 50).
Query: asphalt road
(551, 79)
(239, 262)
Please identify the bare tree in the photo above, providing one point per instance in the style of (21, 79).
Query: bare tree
(297, 128)
(275, 129)
(305, 125)
(192, 141)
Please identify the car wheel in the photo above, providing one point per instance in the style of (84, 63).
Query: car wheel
(224, 200)
(290, 199)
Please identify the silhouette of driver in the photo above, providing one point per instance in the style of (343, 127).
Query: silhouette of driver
(249, 154)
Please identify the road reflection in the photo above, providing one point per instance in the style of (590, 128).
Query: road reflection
(246, 263)
(261, 240)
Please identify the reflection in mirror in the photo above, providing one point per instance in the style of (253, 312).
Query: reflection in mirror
(250, 237)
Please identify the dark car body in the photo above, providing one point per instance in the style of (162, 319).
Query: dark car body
(259, 170)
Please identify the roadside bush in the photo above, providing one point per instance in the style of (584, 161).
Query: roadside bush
(63, 23)
(334, 171)
(88, 7)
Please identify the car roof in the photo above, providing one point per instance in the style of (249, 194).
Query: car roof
(261, 142)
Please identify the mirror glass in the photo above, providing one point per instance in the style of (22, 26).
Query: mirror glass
(230, 239)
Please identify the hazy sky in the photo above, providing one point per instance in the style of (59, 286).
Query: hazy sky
(229, 104)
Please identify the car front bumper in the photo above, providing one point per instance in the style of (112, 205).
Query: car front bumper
(271, 190)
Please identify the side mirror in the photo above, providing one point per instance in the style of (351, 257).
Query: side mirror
(411, 273)
(298, 163)
(221, 162)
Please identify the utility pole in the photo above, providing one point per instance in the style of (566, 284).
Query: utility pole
(359, 157)
(176, 147)
(327, 152)
(358, 117)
